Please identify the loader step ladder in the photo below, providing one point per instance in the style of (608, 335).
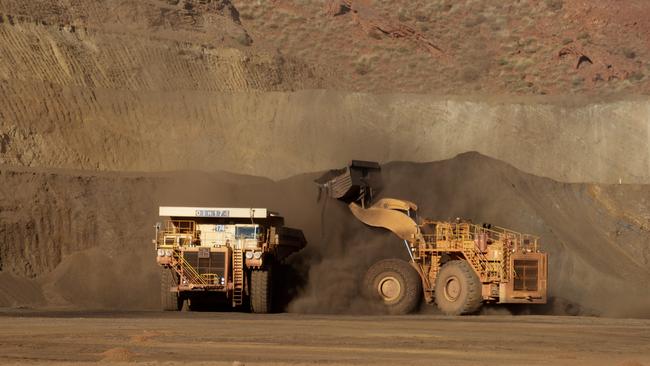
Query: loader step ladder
(479, 261)
(237, 277)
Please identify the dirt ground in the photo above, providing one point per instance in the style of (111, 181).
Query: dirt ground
(282, 339)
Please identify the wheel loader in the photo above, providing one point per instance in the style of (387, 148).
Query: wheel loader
(457, 264)
(212, 255)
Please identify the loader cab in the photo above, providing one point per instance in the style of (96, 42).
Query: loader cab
(413, 214)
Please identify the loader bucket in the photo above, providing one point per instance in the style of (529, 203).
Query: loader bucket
(358, 182)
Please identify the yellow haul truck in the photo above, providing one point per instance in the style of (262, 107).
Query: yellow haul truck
(226, 253)
(458, 265)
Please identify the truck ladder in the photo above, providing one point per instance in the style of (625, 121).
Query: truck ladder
(237, 277)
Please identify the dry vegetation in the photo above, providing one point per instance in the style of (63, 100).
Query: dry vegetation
(488, 46)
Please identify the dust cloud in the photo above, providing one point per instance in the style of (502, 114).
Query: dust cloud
(84, 241)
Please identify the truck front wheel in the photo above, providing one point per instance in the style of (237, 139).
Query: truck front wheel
(260, 291)
(396, 284)
(458, 289)
(171, 301)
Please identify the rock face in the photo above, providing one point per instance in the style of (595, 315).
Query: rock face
(117, 83)
(149, 15)
(440, 47)
(280, 134)
(464, 47)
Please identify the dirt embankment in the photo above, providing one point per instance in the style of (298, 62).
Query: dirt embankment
(73, 76)
(442, 47)
(85, 240)
(208, 22)
(111, 85)
(528, 47)
(250, 132)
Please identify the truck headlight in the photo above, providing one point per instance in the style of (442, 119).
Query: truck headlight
(257, 255)
(161, 252)
(168, 252)
(249, 255)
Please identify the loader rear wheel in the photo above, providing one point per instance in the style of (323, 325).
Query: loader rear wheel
(261, 291)
(170, 301)
(396, 284)
(458, 289)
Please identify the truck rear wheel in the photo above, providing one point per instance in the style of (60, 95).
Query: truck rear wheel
(458, 289)
(395, 283)
(260, 291)
(171, 301)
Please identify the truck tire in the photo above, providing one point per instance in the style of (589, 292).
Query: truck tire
(458, 289)
(396, 284)
(171, 301)
(261, 291)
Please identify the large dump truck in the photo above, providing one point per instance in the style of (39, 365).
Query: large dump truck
(222, 255)
(456, 264)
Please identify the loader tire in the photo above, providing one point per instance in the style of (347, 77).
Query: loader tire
(458, 289)
(170, 301)
(261, 291)
(396, 284)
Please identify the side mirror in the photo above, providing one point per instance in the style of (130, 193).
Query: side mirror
(158, 226)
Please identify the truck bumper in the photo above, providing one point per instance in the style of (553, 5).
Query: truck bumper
(199, 288)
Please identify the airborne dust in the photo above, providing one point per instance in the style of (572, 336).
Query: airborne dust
(103, 226)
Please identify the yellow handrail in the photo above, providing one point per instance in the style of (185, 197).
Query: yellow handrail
(188, 267)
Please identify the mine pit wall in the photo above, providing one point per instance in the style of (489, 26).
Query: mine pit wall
(83, 239)
(279, 134)
(103, 99)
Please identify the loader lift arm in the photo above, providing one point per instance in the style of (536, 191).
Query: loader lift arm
(356, 185)
(391, 214)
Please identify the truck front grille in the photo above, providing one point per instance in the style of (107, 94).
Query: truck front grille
(215, 264)
(526, 274)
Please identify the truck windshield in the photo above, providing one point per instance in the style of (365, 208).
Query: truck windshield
(246, 232)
